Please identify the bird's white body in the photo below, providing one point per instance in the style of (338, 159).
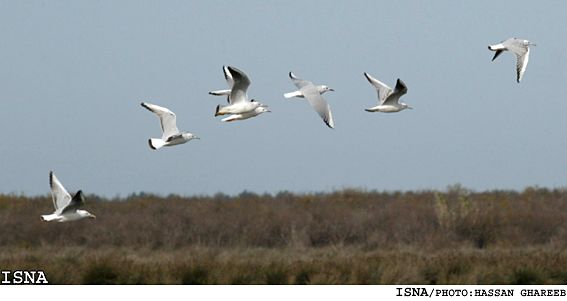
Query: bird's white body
(157, 143)
(238, 108)
(66, 208)
(66, 217)
(322, 89)
(171, 135)
(313, 96)
(519, 48)
(238, 102)
(388, 99)
(387, 109)
(246, 115)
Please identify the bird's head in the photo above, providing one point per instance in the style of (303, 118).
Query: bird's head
(258, 104)
(325, 89)
(190, 136)
(85, 213)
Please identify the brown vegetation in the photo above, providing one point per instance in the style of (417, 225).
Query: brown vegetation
(348, 236)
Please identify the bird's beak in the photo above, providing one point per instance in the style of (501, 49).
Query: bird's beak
(533, 44)
(92, 216)
(265, 106)
(410, 108)
(197, 138)
(268, 111)
(332, 90)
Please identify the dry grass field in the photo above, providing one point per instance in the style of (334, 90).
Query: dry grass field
(344, 237)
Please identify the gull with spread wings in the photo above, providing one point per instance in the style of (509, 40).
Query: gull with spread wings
(519, 48)
(241, 116)
(66, 208)
(238, 98)
(313, 96)
(171, 135)
(388, 99)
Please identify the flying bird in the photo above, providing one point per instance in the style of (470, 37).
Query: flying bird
(313, 96)
(238, 98)
(388, 100)
(66, 208)
(519, 48)
(171, 135)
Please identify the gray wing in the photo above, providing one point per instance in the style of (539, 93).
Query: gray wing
(400, 90)
(59, 194)
(315, 99)
(240, 86)
(522, 54)
(75, 203)
(383, 90)
(228, 77)
(166, 117)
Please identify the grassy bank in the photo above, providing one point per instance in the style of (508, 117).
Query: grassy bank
(344, 265)
(344, 237)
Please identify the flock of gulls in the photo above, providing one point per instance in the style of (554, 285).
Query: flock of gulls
(240, 108)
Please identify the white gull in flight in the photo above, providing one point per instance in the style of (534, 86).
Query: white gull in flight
(238, 98)
(171, 135)
(519, 48)
(388, 100)
(66, 208)
(313, 96)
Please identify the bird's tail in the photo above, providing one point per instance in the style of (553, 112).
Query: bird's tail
(496, 47)
(220, 92)
(156, 143)
(292, 94)
(48, 218)
(219, 110)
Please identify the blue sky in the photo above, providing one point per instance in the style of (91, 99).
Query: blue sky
(73, 75)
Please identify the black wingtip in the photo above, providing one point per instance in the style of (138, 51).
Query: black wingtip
(79, 196)
(498, 52)
(217, 112)
(150, 143)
